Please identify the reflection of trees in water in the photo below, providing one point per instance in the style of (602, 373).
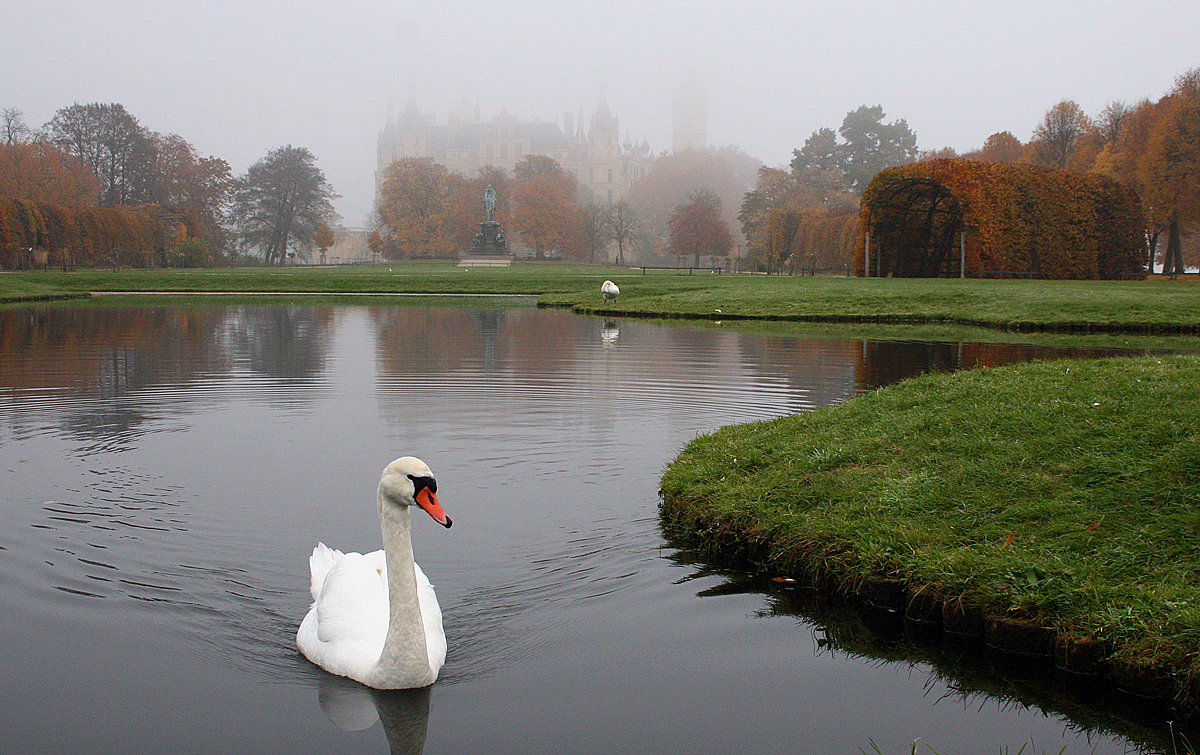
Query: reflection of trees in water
(107, 352)
(445, 339)
(99, 362)
(970, 675)
(282, 342)
(821, 369)
(882, 363)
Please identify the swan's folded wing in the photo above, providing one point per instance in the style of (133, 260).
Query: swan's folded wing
(319, 563)
(353, 602)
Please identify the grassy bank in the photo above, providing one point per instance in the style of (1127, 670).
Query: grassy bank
(1059, 496)
(1155, 306)
(415, 276)
(1102, 306)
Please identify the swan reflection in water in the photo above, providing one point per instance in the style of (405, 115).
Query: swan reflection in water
(609, 334)
(351, 706)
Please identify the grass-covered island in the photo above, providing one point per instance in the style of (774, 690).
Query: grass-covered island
(1052, 504)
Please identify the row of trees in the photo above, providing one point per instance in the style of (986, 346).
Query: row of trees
(1152, 147)
(98, 156)
(683, 208)
(427, 211)
(805, 214)
(34, 234)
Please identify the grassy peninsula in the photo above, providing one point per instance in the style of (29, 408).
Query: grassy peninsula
(1063, 495)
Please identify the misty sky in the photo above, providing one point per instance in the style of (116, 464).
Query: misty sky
(239, 78)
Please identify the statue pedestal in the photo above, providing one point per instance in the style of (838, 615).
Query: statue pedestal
(490, 247)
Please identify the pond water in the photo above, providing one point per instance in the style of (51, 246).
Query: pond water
(166, 470)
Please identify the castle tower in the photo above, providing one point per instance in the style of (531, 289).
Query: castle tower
(689, 115)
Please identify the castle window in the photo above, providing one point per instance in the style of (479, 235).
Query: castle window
(610, 175)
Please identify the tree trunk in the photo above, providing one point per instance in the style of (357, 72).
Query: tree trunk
(1174, 258)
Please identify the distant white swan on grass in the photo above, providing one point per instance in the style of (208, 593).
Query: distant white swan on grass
(610, 290)
(375, 618)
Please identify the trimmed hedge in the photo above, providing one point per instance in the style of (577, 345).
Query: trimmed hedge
(78, 235)
(1019, 219)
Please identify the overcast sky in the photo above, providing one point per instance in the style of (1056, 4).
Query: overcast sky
(239, 78)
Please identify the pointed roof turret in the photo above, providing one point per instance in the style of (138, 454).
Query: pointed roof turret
(412, 114)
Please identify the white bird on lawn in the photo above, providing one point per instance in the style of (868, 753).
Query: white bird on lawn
(610, 290)
(375, 618)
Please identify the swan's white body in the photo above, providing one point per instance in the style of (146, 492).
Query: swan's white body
(610, 290)
(375, 618)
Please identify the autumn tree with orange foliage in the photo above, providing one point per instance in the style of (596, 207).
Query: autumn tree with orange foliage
(1170, 168)
(546, 214)
(697, 228)
(189, 183)
(415, 205)
(1001, 147)
(727, 172)
(41, 172)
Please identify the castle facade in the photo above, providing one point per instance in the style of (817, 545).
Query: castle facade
(592, 151)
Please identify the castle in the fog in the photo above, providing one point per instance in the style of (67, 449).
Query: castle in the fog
(591, 149)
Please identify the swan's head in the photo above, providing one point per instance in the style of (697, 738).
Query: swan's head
(407, 481)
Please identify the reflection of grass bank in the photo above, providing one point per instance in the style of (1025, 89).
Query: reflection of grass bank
(972, 676)
(1060, 494)
(943, 333)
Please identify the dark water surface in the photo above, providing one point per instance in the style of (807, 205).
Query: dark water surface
(165, 472)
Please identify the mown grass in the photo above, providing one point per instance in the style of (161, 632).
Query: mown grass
(1103, 305)
(1154, 305)
(414, 276)
(1065, 494)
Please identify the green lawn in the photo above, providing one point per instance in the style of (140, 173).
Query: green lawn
(1138, 306)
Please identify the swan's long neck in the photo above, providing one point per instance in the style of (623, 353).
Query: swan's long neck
(405, 658)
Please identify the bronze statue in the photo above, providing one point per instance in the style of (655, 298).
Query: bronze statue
(489, 201)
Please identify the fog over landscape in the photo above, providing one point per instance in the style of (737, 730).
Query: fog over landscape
(238, 79)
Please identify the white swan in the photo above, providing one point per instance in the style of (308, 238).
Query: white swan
(375, 618)
(610, 290)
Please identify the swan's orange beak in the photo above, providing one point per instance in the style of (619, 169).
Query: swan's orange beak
(427, 500)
